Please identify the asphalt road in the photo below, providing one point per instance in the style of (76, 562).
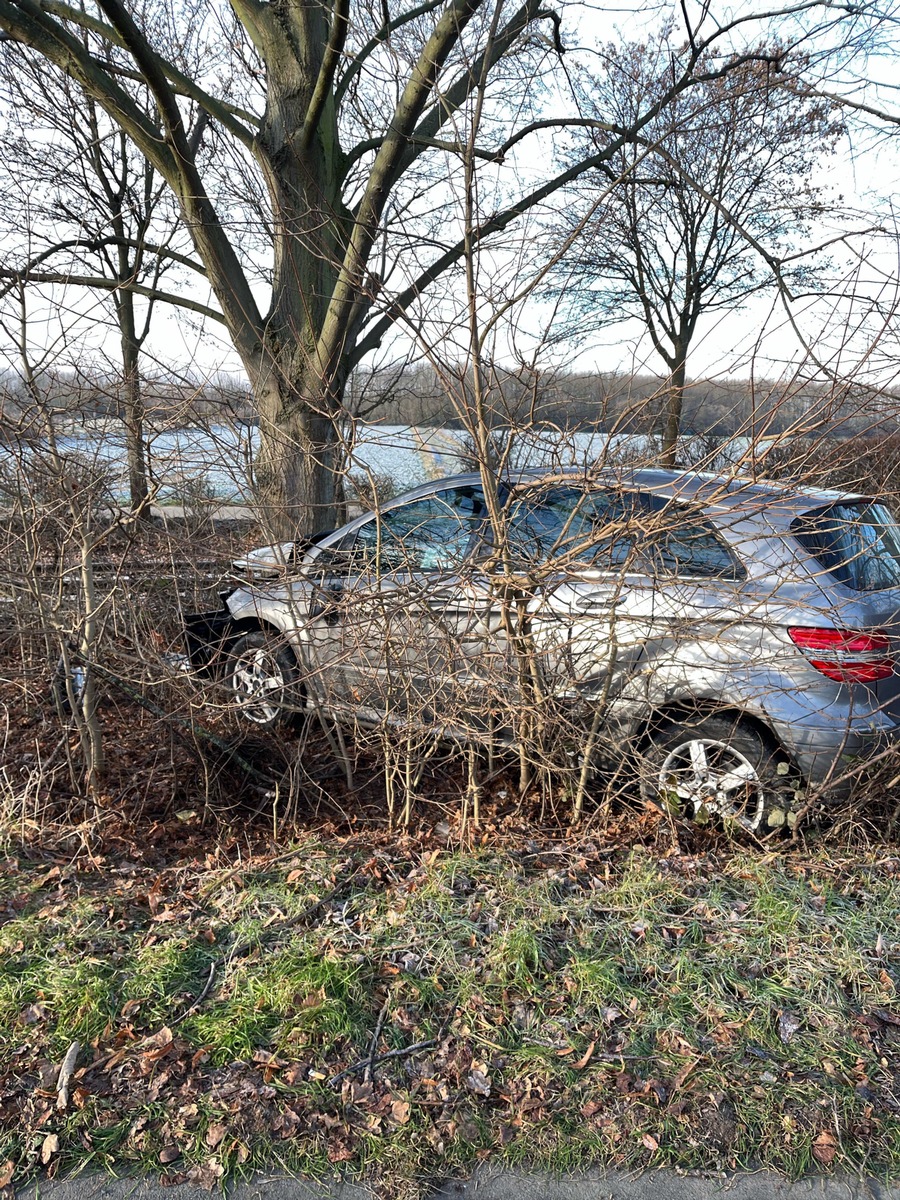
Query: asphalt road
(489, 1185)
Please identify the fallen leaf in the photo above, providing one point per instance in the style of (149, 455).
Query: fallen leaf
(787, 1026)
(208, 1175)
(214, 1134)
(824, 1148)
(339, 1151)
(32, 1014)
(6, 1173)
(49, 1147)
(683, 1074)
(399, 1112)
(162, 1037)
(479, 1083)
(649, 1141)
(169, 1154)
(888, 1018)
(585, 1058)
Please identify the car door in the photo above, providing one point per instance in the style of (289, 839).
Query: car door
(568, 602)
(375, 633)
(703, 622)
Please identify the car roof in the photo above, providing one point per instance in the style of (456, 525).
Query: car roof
(715, 492)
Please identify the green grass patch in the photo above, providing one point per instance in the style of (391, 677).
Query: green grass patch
(404, 1017)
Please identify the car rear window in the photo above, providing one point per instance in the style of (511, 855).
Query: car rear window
(858, 543)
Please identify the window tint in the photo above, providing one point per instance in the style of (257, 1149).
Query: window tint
(609, 529)
(431, 534)
(859, 544)
(564, 522)
(689, 547)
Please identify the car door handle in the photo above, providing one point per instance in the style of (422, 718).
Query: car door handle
(600, 602)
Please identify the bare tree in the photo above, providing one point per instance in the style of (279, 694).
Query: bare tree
(707, 206)
(347, 129)
(98, 216)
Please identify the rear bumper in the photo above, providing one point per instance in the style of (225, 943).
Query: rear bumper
(830, 757)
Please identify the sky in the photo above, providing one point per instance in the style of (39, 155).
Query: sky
(761, 338)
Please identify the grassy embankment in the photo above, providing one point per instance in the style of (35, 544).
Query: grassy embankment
(405, 1013)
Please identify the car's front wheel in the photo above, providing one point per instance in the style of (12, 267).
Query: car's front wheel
(264, 679)
(714, 767)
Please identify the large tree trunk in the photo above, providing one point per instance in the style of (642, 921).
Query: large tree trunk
(674, 406)
(298, 470)
(298, 384)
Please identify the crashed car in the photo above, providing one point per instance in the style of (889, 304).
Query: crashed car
(739, 638)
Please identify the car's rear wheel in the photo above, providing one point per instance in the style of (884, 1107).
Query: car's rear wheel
(714, 767)
(264, 679)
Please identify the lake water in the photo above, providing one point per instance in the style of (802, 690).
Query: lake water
(214, 462)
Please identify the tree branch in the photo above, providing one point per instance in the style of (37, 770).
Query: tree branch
(336, 37)
(225, 114)
(26, 23)
(494, 224)
(224, 271)
(386, 169)
(95, 245)
(108, 285)
(256, 19)
(374, 42)
(452, 99)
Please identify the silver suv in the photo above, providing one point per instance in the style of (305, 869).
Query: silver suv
(734, 641)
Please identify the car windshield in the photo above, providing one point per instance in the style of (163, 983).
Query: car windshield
(857, 542)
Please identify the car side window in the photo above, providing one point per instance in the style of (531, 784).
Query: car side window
(682, 543)
(571, 524)
(431, 534)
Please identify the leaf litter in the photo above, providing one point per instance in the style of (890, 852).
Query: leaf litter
(404, 1010)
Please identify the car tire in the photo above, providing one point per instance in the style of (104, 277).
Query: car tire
(264, 679)
(718, 768)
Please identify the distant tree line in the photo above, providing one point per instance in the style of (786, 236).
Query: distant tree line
(614, 402)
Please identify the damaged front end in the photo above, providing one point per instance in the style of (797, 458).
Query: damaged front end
(206, 635)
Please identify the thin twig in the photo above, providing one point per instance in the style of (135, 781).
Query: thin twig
(373, 1044)
(401, 1052)
(196, 1004)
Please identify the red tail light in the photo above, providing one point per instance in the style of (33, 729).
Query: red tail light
(845, 656)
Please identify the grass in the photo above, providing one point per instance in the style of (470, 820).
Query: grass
(584, 1008)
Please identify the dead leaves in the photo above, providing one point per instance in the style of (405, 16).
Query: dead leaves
(585, 1058)
(788, 1025)
(214, 1134)
(49, 1147)
(825, 1147)
(478, 1081)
